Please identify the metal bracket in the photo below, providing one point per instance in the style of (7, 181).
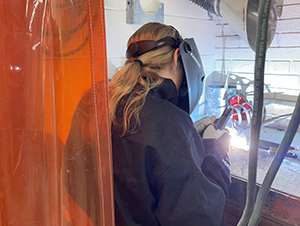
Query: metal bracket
(136, 15)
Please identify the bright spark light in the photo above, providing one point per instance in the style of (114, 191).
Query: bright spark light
(238, 141)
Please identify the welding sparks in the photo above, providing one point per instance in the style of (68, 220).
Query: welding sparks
(238, 141)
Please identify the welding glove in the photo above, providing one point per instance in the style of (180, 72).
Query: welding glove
(201, 124)
(216, 162)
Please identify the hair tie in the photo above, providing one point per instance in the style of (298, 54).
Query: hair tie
(140, 62)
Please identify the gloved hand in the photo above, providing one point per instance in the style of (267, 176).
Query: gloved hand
(217, 141)
(211, 132)
(201, 124)
(216, 163)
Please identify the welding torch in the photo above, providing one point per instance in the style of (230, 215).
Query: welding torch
(221, 122)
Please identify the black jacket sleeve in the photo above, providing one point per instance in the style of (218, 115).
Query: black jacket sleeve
(186, 193)
(216, 164)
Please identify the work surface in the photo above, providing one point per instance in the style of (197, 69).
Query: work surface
(287, 179)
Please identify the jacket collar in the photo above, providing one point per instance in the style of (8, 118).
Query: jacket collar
(166, 91)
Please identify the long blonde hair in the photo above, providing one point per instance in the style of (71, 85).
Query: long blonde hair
(129, 87)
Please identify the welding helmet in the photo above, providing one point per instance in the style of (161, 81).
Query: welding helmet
(192, 84)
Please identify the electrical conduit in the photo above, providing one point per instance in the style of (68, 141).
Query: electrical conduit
(260, 54)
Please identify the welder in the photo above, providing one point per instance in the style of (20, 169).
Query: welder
(167, 171)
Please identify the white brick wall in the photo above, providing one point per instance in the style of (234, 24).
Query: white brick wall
(283, 56)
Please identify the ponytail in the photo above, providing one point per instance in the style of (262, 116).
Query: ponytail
(127, 91)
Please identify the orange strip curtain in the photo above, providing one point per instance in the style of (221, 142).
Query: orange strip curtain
(53, 55)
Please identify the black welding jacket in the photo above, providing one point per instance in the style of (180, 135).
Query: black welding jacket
(163, 174)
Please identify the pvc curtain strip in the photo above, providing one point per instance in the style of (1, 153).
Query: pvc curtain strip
(56, 163)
